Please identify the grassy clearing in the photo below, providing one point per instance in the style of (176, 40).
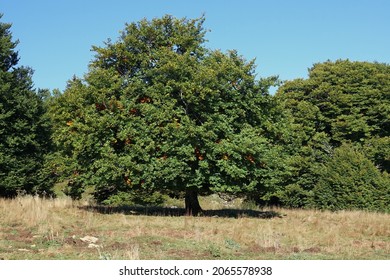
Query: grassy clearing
(35, 228)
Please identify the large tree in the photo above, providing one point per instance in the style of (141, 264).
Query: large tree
(340, 102)
(160, 112)
(348, 101)
(24, 130)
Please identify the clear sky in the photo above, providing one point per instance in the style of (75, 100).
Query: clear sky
(285, 37)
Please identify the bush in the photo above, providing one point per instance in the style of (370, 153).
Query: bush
(349, 180)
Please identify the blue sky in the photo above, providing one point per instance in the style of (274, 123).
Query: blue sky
(285, 37)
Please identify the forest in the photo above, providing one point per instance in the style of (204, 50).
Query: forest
(161, 115)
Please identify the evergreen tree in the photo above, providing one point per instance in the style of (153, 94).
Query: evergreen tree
(24, 130)
(349, 180)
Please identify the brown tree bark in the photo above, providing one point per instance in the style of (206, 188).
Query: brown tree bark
(192, 203)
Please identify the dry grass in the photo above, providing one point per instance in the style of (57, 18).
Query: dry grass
(35, 228)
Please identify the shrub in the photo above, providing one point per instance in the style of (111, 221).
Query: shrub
(349, 180)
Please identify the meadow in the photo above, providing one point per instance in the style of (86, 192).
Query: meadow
(36, 228)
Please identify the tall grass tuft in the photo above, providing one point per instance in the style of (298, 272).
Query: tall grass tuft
(31, 211)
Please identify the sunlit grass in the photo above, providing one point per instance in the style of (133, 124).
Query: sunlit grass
(36, 228)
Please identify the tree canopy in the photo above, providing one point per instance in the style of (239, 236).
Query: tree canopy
(160, 112)
(342, 103)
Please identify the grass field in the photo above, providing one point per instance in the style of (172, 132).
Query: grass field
(35, 228)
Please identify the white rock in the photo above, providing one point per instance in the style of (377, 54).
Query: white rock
(93, 246)
(89, 239)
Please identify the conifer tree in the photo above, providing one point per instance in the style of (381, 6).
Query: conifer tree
(24, 131)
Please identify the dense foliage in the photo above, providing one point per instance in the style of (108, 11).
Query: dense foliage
(159, 112)
(341, 102)
(349, 180)
(24, 129)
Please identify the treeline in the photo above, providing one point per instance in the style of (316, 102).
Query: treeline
(159, 114)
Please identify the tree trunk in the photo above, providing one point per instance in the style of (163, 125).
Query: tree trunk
(192, 203)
